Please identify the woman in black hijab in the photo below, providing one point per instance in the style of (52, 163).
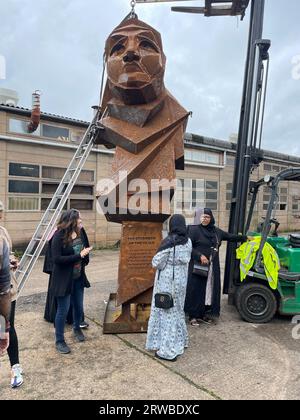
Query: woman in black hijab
(204, 291)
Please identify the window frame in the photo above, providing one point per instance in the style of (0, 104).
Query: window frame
(42, 181)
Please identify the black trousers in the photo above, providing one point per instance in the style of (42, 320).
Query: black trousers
(13, 349)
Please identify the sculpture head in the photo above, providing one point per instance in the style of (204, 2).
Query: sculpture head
(135, 62)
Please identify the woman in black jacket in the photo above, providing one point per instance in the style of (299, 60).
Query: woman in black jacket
(70, 254)
(51, 302)
(204, 291)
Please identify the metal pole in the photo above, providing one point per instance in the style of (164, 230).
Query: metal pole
(243, 161)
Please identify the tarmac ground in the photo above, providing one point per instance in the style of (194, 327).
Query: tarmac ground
(231, 360)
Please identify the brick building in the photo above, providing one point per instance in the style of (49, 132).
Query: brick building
(31, 167)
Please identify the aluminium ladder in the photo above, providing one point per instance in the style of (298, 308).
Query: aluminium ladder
(52, 214)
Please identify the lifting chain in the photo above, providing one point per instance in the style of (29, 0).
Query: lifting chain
(132, 4)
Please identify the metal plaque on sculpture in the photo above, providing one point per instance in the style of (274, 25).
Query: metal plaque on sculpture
(139, 244)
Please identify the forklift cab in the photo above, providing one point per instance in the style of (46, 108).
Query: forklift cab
(255, 300)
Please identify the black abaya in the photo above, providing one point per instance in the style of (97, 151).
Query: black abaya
(206, 241)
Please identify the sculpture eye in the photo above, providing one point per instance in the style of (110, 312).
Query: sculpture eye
(117, 49)
(148, 45)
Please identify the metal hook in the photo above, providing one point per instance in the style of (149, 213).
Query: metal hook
(132, 4)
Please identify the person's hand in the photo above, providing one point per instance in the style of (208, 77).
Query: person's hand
(204, 260)
(14, 264)
(4, 343)
(85, 252)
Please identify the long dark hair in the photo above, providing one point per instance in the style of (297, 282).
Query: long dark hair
(68, 224)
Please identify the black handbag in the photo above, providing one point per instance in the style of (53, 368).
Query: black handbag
(201, 270)
(164, 300)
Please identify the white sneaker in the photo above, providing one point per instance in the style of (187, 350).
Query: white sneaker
(16, 376)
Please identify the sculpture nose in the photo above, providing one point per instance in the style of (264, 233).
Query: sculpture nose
(131, 56)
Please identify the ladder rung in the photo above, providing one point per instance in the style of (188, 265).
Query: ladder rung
(79, 157)
(29, 255)
(37, 239)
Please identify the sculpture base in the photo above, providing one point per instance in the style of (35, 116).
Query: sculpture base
(125, 319)
(140, 242)
(128, 310)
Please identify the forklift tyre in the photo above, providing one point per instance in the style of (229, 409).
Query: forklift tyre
(256, 303)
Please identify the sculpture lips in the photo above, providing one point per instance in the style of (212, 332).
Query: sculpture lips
(132, 67)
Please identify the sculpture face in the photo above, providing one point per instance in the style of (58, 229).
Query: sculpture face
(135, 63)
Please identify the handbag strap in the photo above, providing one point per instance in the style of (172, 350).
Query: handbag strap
(173, 280)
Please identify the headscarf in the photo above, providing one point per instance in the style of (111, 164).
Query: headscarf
(200, 212)
(177, 233)
(210, 230)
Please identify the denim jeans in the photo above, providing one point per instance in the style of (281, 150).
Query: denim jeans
(63, 306)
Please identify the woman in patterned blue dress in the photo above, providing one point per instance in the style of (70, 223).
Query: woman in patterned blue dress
(167, 330)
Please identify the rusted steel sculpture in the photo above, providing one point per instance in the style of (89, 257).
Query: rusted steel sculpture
(146, 125)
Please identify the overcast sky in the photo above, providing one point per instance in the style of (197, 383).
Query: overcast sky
(57, 45)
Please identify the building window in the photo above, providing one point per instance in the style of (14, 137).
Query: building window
(49, 188)
(23, 204)
(24, 170)
(273, 168)
(76, 135)
(20, 127)
(211, 185)
(202, 157)
(23, 187)
(196, 193)
(83, 205)
(86, 176)
(50, 172)
(281, 202)
(295, 203)
(46, 201)
(83, 190)
(54, 132)
(212, 196)
(44, 180)
(228, 196)
(230, 161)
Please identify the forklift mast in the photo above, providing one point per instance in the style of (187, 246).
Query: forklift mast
(249, 154)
